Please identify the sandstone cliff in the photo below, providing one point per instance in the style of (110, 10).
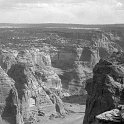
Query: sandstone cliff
(34, 78)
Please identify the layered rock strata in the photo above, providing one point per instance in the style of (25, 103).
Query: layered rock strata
(32, 73)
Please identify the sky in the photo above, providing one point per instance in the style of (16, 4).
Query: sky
(62, 11)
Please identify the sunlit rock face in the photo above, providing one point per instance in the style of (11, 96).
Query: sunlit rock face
(78, 53)
(34, 78)
(105, 90)
(7, 58)
(37, 59)
(40, 57)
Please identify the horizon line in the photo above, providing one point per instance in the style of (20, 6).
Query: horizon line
(66, 23)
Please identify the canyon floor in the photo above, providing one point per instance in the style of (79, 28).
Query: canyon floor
(75, 116)
(75, 112)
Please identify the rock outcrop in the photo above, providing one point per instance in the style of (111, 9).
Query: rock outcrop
(30, 93)
(9, 101)
(105, 90)
(33, 78)
(7, 58)
(38, 60)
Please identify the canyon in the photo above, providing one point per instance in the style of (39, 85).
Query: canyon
(49, 73)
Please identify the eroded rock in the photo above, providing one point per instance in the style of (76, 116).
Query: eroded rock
(31, 71)
(7, 58)
(105, 91)
(9, 102)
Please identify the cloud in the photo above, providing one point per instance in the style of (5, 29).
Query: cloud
(62, 11)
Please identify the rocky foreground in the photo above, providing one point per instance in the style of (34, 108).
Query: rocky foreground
(105, 100)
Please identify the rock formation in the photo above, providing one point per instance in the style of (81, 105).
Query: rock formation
(7, 58)
(33, 78)
(78, 57)
(105, 90)
(9, 101)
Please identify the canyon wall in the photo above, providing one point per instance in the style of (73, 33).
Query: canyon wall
(106, 92)
(78, 60)
(38, 88)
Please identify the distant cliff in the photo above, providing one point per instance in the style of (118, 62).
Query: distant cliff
(79, 59)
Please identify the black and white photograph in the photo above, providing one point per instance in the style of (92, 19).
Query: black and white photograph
(61, 61)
